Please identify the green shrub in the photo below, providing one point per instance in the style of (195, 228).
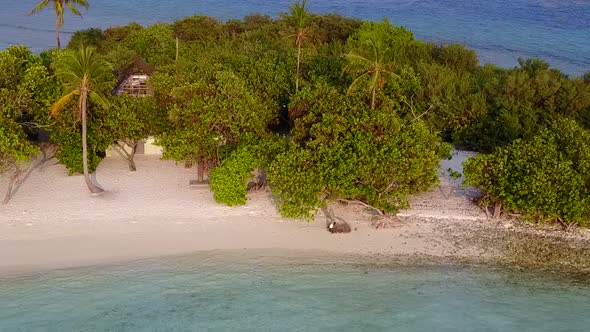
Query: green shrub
(197, 28)
(229, 180)
(522, 101)
(66, 134)
(452, 98)
(457, 56)
(88, 37)
(295, 183)
(341, 149)
(208, 117)
(546, 178)
(15, 150)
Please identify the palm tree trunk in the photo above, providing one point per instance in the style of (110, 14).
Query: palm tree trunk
(91, 186)
(373, 99)
(57, 26)
(298, 66)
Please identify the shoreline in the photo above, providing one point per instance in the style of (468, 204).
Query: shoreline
(503, 53)
(54, 223)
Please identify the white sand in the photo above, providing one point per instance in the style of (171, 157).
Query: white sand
(53, 221)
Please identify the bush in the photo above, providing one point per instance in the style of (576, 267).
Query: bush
(15, 149)
(458, 57)
(521, 102)
(341, 149)
(229, 180)
(207, 117)
(66, 134)
(546, 178)
(452, 98)
(197, 28)
(89, 37)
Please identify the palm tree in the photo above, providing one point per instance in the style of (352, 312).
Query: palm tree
(373, 67)
(58, 7)
(84, 76)
(298, 20)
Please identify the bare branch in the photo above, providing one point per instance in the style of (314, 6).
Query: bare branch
(121, 151)
(361, 203)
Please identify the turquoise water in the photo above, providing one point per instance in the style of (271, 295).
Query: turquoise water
(270, 291)
(500, 30)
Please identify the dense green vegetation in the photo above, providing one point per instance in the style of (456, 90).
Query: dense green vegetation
(330, 108)
(26, 88)
(352, 152)
(546, 177)
(228, 180)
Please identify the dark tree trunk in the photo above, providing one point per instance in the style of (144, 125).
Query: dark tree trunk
(131, 159)
(201, 171)
(497, 210)
(298, 66)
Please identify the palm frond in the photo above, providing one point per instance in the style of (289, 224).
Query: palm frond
(354, 83)
(59, 11)
(99, 100)
(71, 4)
(73, 9)
(299, 15)
(63, 101)
(83, 70)
(357, 64)
(39, 7)
(371, 60)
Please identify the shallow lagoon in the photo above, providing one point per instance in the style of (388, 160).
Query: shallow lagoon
(278, 290)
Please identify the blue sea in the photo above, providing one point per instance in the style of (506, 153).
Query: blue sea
(290, 291)
(557, 31)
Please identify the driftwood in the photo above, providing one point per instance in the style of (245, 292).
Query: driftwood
(20, 174)
(568, 227)
(335, 224)
(379, 212)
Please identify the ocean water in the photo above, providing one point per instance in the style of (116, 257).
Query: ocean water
(287, 291)
(500, 30)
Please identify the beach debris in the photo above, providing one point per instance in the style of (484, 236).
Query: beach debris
(386, 221)
(335, 224)
(339, 227)
(203, 184)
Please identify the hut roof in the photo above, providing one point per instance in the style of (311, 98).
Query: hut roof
(137, 67)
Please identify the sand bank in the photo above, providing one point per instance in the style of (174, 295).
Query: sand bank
(54, 222)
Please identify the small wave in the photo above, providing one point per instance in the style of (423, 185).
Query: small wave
(22, 27)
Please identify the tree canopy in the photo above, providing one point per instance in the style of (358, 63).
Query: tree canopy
(330, 108)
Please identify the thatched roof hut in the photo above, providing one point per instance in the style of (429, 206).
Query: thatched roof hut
(133, 79)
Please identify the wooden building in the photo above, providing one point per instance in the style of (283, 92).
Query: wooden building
(133, 80)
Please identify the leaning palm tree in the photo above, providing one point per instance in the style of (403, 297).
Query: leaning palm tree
(58, 7)
(84, 76)
(371, 65)
(298, 20)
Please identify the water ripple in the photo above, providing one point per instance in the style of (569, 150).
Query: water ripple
(554, 30)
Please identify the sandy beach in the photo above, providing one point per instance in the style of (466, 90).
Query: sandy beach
(54, 222)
